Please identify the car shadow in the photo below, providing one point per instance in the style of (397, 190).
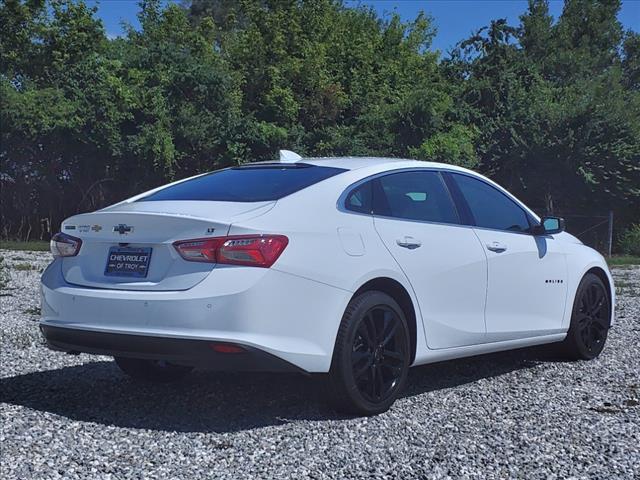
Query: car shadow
(221, 402)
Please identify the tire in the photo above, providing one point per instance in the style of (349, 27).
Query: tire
(590, 320)
(152, 370)
(371, 355)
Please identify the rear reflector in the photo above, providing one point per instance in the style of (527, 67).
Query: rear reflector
(63, 245)
(249, 250)
(227, 348)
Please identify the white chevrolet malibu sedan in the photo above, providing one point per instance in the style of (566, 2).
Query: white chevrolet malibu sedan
(357, 268)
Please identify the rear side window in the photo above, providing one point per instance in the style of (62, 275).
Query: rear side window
(414, 196)
(255, 183)
(359, 199)
(490, 207)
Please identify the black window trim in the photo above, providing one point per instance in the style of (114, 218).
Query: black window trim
(462, 207)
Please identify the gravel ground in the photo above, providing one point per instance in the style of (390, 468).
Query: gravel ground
(522, 414)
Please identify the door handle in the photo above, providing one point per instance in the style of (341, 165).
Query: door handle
(409, 242)
(496, 247)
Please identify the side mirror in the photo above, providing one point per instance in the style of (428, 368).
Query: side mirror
(549, 226)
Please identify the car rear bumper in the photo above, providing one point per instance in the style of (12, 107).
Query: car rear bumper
(181, 351)
(286, 316)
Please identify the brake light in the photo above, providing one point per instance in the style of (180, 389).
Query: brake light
(249, 250)
(227, 348)
(63, 245)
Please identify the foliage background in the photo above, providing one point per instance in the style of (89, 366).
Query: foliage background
(549, 108)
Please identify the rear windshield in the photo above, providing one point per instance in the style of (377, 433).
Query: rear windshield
(246, 183)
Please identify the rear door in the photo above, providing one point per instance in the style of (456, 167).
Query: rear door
(444, 261)
(527, 274)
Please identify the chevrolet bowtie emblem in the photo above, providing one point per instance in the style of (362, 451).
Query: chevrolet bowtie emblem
(122, 229)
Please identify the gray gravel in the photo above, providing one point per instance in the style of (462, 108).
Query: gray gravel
(522, 414)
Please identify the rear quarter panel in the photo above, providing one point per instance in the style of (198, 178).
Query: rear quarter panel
(328, 245)
(325, 244)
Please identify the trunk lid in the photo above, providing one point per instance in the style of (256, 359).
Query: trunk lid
(140, 226)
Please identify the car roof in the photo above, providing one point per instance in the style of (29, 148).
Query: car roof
(351, 163)
(355, 163)
(382, 164)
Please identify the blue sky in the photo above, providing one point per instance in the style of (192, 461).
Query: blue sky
(454, 19)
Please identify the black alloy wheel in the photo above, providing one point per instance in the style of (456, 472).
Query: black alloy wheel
(590, 319)
(372, 355)
(378, 354)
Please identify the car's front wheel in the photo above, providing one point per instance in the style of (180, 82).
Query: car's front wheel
(590, 320)
(371, 356)
(152, 370)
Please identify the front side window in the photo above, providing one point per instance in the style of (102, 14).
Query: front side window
(490, 207)
(251, 183)
(414, 195)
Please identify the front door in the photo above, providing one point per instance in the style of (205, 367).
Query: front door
(527, 274)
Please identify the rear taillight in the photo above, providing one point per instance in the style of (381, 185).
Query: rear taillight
(260, 251)
(63, 245)
(250, 250)
(203, 250)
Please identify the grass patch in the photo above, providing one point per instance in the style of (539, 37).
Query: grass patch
(31, 246)
(33, 311)
(626, 288)
(622, 260)
(24, 267)
(4, 278)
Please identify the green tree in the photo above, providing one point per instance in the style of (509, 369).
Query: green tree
(325, 79)
(186, 112)
(86, 121)
(548, 107)
(557, 117)
(59, 111)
